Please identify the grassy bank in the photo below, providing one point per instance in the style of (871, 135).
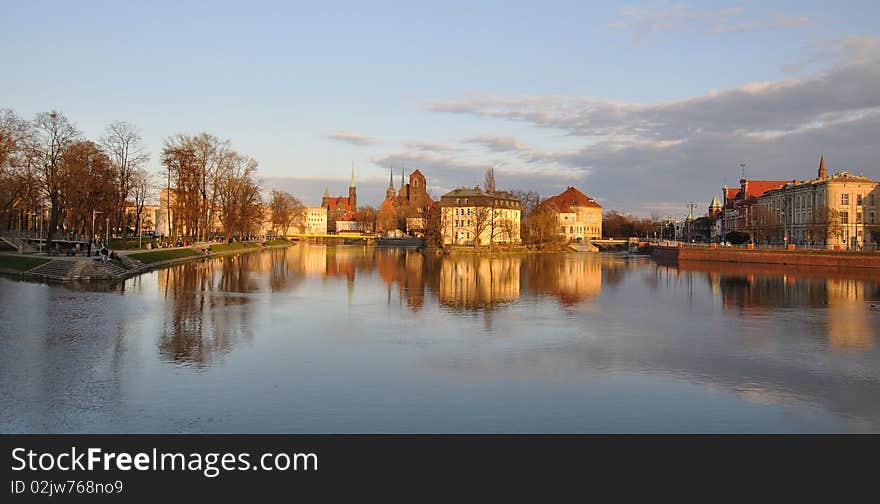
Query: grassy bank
(227, 247)
(163, 255)
(19, 263)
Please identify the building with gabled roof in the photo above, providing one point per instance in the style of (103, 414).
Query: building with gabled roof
(470, 216)
(579, 216)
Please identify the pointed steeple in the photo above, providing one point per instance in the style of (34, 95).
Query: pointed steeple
(391, 178)
(352, 175)
(822, 172)
(401, 179)
(326, 192)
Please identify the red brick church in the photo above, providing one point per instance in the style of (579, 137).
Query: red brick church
(406, 209)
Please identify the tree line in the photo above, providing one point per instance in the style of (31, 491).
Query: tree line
(52, 175)
(48, 168)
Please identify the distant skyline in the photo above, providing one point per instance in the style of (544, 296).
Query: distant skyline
(644, 106)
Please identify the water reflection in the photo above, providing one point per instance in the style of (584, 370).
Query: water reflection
(844, 297)
(353, 338)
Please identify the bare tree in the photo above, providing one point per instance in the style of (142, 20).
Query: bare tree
(142, 187)
(483, 220)
(88, 180)
(541, 227)
(824, 225)
(15, 161)
(122, 142)
(286, 209)
(53, 135)
(489, 182)
(765, 224)
(239, 201)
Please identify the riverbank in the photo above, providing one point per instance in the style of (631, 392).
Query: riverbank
(821, 258)
(130, 263)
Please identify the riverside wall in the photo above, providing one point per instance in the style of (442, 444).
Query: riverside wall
(822, 258)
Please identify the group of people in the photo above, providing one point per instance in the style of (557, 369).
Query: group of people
(100, 250)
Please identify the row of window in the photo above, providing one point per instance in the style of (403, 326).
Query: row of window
(844, 199)
(844, 217)
(580, 230)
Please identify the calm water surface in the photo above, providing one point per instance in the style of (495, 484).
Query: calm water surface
(353, 339)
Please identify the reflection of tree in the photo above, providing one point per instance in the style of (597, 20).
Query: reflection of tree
(202, 317)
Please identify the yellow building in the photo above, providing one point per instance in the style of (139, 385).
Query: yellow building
(839, 210)
(580, 216)
(474, 217)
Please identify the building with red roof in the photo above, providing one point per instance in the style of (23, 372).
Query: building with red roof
(580, 216)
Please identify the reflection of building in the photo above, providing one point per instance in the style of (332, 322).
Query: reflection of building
(471, 216)
(407, 270)
(479, 282)
(579, 216)
(570, 278)
(808, 211)
(848, 325)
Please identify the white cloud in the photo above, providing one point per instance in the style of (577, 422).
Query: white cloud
(352, 137)
(649, 19)
(633, 154)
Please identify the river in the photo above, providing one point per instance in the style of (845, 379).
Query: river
(358, 339)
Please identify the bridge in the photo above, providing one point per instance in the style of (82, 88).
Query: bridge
(609, 242)
(343, 236)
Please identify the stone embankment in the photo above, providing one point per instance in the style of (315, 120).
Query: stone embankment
(820, 258)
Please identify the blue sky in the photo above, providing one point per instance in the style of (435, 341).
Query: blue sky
(644, 106)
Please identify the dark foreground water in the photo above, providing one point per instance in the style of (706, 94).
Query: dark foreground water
(352, 339)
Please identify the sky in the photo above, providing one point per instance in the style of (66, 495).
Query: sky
(646, 107)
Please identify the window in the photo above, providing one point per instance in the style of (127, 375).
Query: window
(844, 199)
(858, 199)
(844, 217)
(858, 217)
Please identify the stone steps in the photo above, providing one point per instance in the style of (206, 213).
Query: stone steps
(55, 269)
(60, 269)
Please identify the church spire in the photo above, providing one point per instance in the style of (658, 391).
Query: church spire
(391, 178)
(352, 175)
(822, 172)
(326, 192)
(401, 178)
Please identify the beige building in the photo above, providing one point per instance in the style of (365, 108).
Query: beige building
(312, 220)
(474, 217)
(839, 210)
(150, 217)
(580, 217)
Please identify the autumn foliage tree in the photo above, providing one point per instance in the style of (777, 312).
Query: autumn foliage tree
(285, 209)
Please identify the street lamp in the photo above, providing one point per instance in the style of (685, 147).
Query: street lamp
(94, 212)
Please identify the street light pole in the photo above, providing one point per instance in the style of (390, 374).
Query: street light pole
(40, 246)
